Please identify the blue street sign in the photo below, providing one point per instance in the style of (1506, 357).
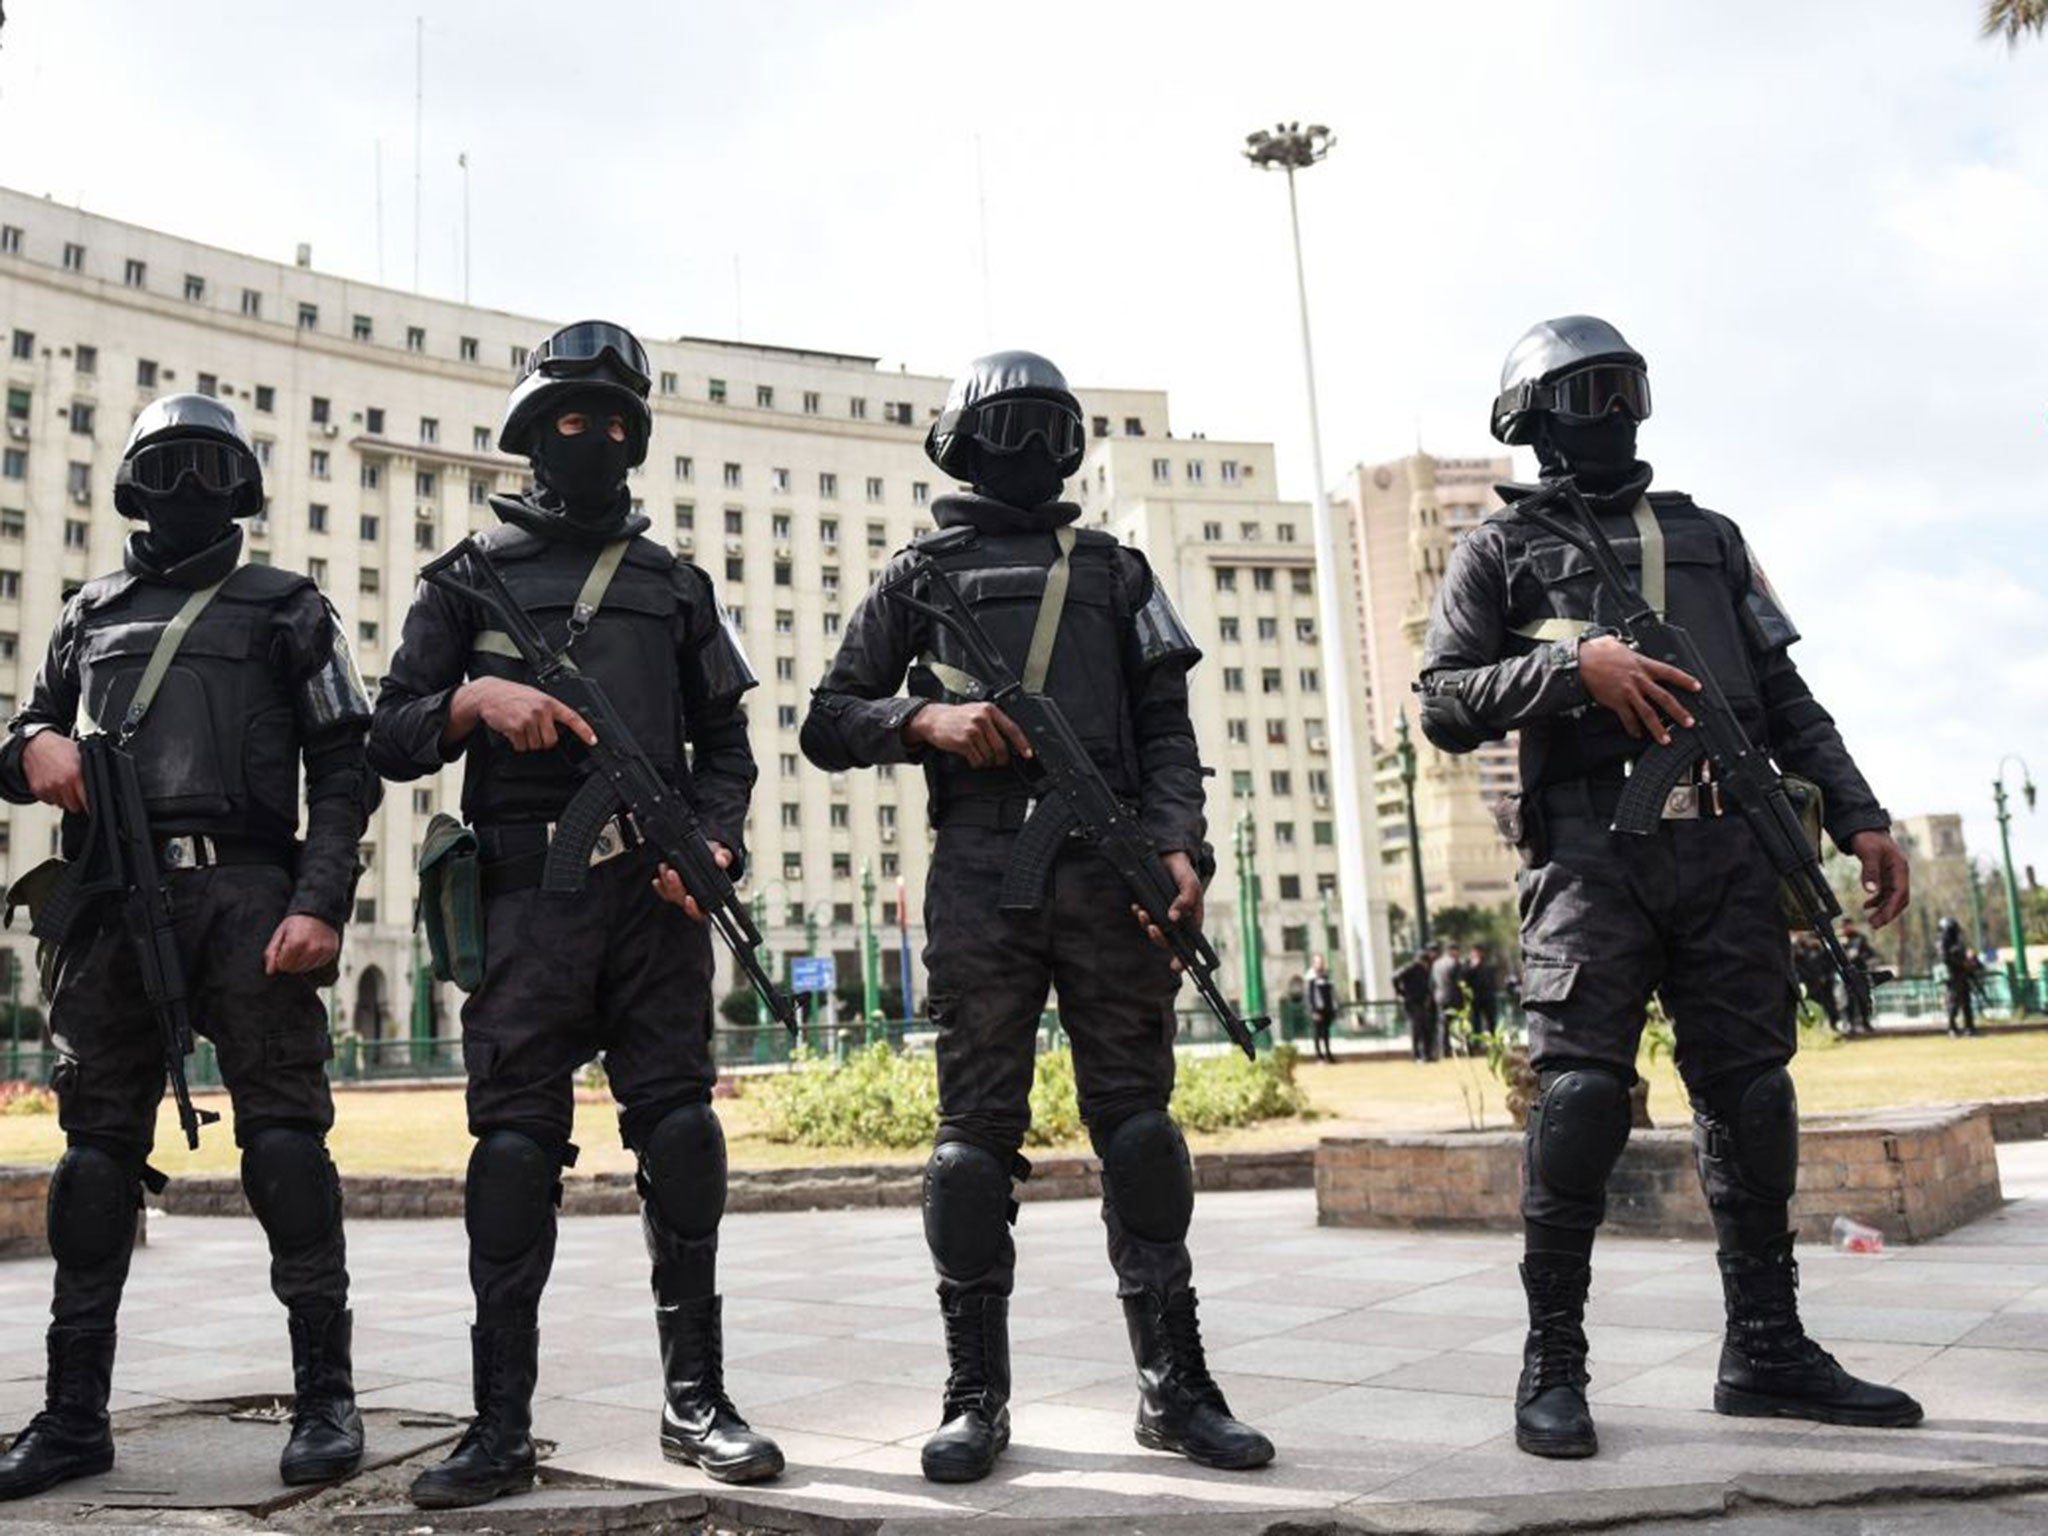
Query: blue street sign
(812, 973)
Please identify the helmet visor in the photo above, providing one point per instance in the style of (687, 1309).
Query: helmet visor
(1591, 393)
(1004, 426)
(580, 349)
(217, 466)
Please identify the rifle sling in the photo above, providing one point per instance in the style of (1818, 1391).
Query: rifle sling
(1045, 632)
(160, 660)
(495, 642)
(1650, 538)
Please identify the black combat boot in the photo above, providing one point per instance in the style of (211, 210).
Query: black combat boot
(974, 1424)
(699, 1425)
(327, 1432)
(1771, 1369)
(1180, 1407)
(495, 1456)
(1551, 1416)
(70, 1437)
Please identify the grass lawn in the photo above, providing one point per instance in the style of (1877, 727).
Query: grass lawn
(423, 1131)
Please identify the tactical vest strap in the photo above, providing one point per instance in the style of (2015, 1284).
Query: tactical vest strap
(1038, 660)
(160, 659)
(1650, 539)
(495, 642)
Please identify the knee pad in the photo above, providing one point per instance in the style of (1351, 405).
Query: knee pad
(1758, 1120)
(1148, 1178)
(1577, 1130)
(967, 1207)
(682, 1171)
(509, 1196)
(93, 1200)
(292, 1187)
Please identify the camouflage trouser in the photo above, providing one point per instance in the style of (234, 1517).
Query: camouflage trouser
(268, 1032)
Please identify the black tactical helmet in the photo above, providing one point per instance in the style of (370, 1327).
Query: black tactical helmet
(188, 435)
(591, 355)
(999, 404)
(1576, 368)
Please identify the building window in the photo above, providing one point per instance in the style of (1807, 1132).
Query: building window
(1283, 834)
(518, 359)
(81, 418)
(1269, 629)
(10, 585)
(735, 568)
(668, 382)
(316, 518)
(828, 580)
(309, 317)
(78, 482)
(831, 623)
(1321, 833)
(778, 527)
(1303, 583)
(86, 359)
(423, 534)
(686, 467)
(13, 523)
(715, 388)
(266, 398)
(686, 516)
(1282, 782)
(828, 485)
(316, 463)
(1270, 680)
(1305, 631)
(479, 491)
(810, 402)
(1262, 578)
(359, 327)
(785, 668)
(18, 403)
(366, 527)
(1284, 532)
(778, 479)
(370, 476)
(415, 338)
(1133, 427)
(195, 288)
(874, 487)
(785, 716)
(878, 536)
(735, 520)
(467, 348)
(74, 257)
(764, 395)
(1162, 471)
(369, 581)
(10, 239)
(430, 429)
(366, 632)
(321, 409)
(13, 465)
(1276, 733)
(425, 484)
(1249, 532)
(785, 622)
(1226, 471)
(828, 532)
(135, 273)
(1237, 732)
(1194, 471)
(24, 349)
(1226, 630)
(1211, 532)
(1233, 679)
(316, 571)
(263, 445)
(252, 303)
(857, 409)
(1310, 679)
(920, 493)
(732, 477)
(75, 533)
(1226, 578)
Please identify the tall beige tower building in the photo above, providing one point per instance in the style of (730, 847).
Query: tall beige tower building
(1404, 518)
(788, 474)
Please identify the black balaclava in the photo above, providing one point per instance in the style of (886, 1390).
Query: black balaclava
(184, 520)
(585, 471)
(1025, 479)
(1602, 454)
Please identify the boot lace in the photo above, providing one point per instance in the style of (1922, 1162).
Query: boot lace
(1555, 1355)
(1188, 1361)
(967, 1385)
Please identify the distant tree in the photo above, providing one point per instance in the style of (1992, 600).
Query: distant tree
(2014, 19)
(737, 1006)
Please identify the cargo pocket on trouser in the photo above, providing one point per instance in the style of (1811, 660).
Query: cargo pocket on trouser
(1548, 981)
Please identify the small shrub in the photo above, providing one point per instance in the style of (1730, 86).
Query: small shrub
(1055, 1104)
(1215, 1093)
(19, 1098)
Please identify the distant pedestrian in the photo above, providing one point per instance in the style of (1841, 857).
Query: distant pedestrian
(1412, 986)
(1862, 959)
(1447, 993)
(1959, 963)
(1320, 993)
(1816, 976)
(1482, 991)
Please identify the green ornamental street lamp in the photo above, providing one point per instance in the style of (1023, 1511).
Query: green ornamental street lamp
(1404, 749)
(2016, 968)
(870, 950)
(1244, 844)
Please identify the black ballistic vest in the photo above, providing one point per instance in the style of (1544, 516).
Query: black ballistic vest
(218, 751)
(630, 648)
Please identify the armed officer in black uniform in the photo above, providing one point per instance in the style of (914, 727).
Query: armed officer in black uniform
(611, 969)
(237, 672)
(1516, 642)
(1082, 619)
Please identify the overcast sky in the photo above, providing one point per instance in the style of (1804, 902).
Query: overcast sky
(1826, 224)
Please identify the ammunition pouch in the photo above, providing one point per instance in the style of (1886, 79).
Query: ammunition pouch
(451, 902)
(33, 893)
(1518, 818)
(1808, 801)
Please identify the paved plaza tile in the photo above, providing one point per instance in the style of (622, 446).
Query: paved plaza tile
(1380, 1362)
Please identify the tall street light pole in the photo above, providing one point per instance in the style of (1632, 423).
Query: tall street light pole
(2017, 966)
(1290, 147)
(1405, 751)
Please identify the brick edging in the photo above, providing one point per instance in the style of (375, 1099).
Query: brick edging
(828, 1186)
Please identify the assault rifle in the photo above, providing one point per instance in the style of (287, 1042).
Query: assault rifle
(624, 780)
(1071, 794)
(119, 861)
(1743, 772)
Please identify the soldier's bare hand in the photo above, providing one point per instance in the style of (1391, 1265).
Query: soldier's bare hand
(981, 733)
(301, 944)
(668, 885)
(1636, 687)
(1887, 882)
(1186, 911)
(526, 717)
(50, 763)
